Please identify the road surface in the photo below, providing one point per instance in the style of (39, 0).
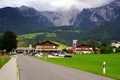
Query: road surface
(33, 69)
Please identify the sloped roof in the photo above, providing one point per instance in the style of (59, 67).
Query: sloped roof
(84, 46)
(48, 43)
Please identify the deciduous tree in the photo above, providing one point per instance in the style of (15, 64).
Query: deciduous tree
(9, 41)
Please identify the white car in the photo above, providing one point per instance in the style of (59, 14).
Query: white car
(64, 54)
(54, 54)
(37, 55)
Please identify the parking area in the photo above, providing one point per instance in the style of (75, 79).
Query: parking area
(52, 55)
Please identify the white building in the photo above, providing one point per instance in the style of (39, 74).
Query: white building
(84, 49)
(116, 44)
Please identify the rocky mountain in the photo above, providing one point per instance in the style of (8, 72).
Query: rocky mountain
(22, 20)
(89, 18)
(26, 19)
(62, 18)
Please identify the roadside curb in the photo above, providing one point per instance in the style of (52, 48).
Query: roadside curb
(17, 67)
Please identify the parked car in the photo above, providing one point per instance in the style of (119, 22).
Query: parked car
(62, 54)
(54, 54)
(38, 55)
(33, 54)
(65, 55)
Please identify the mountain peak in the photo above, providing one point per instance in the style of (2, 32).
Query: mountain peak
(25, 8)
(117, 2)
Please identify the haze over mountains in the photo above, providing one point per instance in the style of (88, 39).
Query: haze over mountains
(26, 19)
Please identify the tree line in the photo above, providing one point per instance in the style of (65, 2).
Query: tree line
(105, 47)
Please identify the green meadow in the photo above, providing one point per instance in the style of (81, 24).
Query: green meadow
(92, 63)
(4, 60)
(30, 36)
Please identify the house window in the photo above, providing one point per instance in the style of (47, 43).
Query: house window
(53, 46)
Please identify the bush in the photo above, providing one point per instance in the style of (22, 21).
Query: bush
(106, 49)
(117, 50)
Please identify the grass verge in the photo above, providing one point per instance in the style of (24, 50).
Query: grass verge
(92, 63)
(4, 60)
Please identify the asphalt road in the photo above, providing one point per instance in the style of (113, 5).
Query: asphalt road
(33, 69)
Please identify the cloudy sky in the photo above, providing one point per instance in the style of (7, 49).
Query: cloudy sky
(53, 5)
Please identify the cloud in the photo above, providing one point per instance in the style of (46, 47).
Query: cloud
(53, 5)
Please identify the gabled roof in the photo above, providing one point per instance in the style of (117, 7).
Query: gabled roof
(84, 46)
(48, 43)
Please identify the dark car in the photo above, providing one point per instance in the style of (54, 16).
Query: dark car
(33, 54)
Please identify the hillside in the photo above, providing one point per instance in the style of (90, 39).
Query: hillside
(108, 31)
(60, 34)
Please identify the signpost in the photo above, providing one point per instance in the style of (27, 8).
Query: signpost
(74, 45)
(104, 67)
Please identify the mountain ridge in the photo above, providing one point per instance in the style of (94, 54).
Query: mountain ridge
(95, 16)
(20, 21)
(73, 24)
(28, 17)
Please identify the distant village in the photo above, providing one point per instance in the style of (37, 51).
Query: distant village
(50, 47)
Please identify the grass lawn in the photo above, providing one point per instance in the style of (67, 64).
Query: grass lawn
(3, 60)
(92, 63)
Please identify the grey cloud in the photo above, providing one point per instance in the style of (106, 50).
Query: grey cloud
(53, 5)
